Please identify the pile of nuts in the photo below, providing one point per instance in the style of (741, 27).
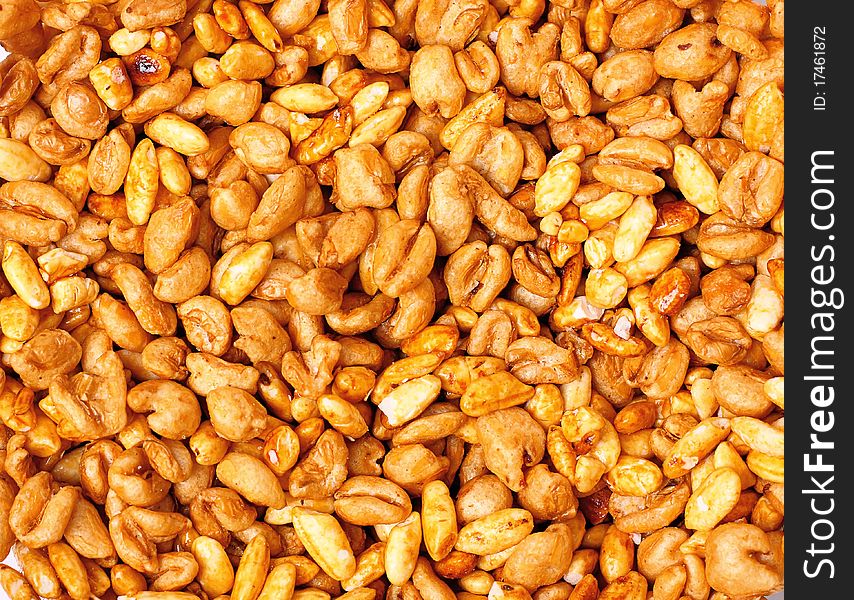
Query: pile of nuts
(391, 299)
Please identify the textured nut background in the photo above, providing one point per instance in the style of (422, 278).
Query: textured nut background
(12, 560)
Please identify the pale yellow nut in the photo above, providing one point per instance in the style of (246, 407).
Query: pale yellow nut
(556, 187)
(369, 100)
(408, 400)
(654, 325)
(325, 542)
(572, 231)
(59, 263)
(142, 182)
(763, 117)
(713, 262)
(634, 228)
(490, 562)
(495, 532)
(70, 570)
(774, 390)
(182, 136)
(494, 392)
(69, 293)
(438, 520)
(18, 320)
(377, 128)
(588, 471)
(683, 403)
(10, 346)
(244, 272)
(174, 174)
(635, 476)
(124, 42)
(572, 153)
(18, 162)
(695, 179)
(551, 223)
(342, 415)
(401, 549)
(606, 288)
(759, 435)
(695, 445)
(112, 83)
(305, 98)
(653, 258)
(699, 473)
(727, 456)
(216, 575)
(598, 212)
(487, 108)
(764, 312)
(24, 277)
(284, 516)
(261, 27)
(713, 499)
(370, 566)
(599, 246)
(252, 570)
(280, 583)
